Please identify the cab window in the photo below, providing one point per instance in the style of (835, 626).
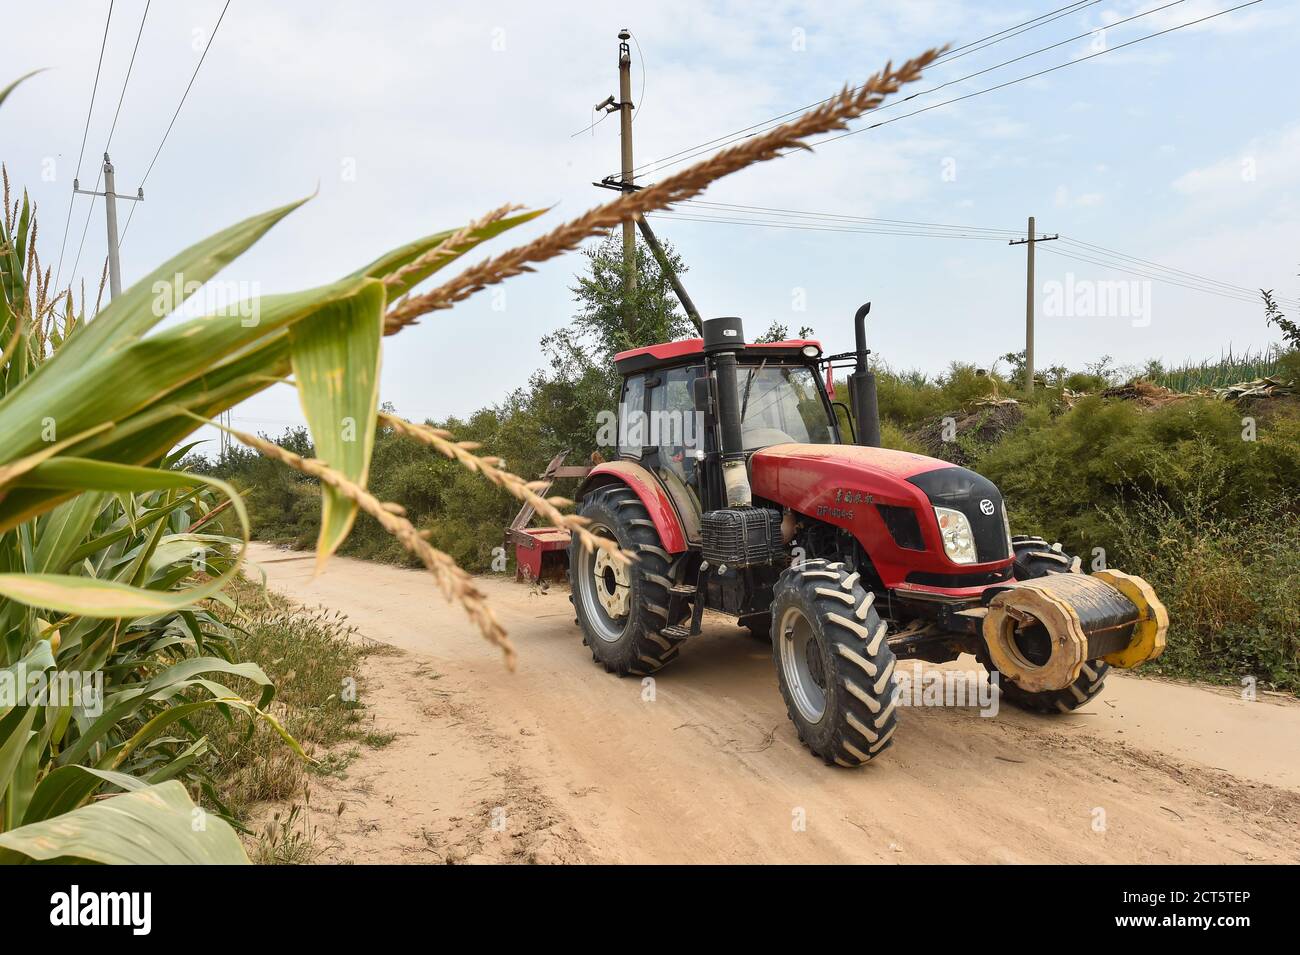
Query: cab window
(632, 417)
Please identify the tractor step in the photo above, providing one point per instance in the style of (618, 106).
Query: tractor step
(676, 632)
(683, 590)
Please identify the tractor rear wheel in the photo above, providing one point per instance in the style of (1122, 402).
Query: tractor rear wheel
(835, 670)
(623, 609)
(1034, 557)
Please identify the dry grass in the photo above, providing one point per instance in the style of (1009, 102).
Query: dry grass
(831, 115)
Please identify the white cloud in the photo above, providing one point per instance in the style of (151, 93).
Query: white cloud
(1063, 198)
(1264, 166)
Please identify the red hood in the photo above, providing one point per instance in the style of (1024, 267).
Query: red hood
(786, 459)
(846, 486)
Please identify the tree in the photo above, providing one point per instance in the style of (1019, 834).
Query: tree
(1273, 316)
(610, 319)
(776, 332)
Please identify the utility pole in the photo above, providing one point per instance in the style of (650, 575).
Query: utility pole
(625, 142)
(624, 183)
(110, 208)
(1029, 241)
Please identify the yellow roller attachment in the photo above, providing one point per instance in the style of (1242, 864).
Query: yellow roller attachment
(1153, 620)
(1034, 634)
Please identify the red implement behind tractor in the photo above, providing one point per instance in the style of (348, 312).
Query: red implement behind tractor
(737, 492)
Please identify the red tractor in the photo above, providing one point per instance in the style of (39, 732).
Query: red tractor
(737, 492)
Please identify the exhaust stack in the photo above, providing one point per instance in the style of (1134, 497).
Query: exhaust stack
(862, 385)
(723, 337)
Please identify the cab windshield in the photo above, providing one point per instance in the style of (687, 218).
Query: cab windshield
(781, 404)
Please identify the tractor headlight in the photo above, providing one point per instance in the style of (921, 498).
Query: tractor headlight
(811, 351)
(958, 541)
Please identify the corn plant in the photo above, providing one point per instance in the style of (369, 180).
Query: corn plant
(88, 419)
(1230, 369)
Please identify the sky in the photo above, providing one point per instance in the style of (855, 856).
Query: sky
(407, 118)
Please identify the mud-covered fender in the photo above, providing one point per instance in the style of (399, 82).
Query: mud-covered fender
(649, 490)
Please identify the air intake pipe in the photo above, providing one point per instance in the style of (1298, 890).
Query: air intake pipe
(862, 385)
(723, 337)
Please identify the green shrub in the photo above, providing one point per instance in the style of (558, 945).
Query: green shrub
(1232, 586)
(1063, 477)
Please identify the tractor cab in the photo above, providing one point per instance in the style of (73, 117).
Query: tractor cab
(667, 419)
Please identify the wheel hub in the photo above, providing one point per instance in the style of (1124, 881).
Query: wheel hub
(612, 584)
(802, 664)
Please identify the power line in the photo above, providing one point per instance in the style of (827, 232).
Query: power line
(84, 134)
(811, 227)
(1050, 69)
(193, 76)
(970, 76)
(112, 129)
(836, 215)
(763, 216)
(669, 161)
(951, 54)
(1238, 297)
(129, 67)
(1075, 8)
(1101, 249)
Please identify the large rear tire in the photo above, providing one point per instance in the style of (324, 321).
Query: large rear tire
(834, 667)
(1034, 557)
(623, 609)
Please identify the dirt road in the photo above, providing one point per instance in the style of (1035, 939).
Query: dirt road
(561, 762)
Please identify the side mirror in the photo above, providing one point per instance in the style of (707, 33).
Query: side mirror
(702, 394)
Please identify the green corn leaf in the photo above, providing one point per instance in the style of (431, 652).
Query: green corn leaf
(106, 599)
(66, 787)
(336, 364)
(151, 826)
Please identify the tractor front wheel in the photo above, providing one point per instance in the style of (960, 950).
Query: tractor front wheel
(835, 670)
(1034, 557)
(1091, 681)
(623, 608)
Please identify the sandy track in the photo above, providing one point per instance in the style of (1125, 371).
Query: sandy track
(563, 762)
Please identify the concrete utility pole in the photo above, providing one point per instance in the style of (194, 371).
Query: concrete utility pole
(110, 208)
(1029, 300)
(625, 141)
(624, 183)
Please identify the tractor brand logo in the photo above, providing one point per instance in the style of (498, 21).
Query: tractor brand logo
(987, 508)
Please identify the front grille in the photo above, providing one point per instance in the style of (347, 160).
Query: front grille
(963, 490)
(903, 526)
